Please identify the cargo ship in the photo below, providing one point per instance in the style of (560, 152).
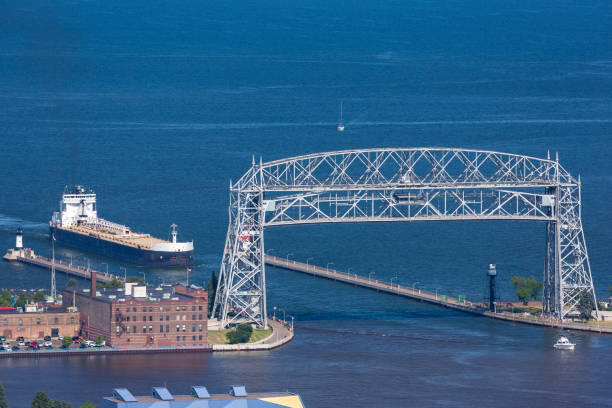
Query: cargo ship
(77, 225)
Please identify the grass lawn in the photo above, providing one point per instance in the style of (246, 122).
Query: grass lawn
(220, 336)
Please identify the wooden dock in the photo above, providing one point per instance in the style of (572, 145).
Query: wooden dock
(428, 297)
(28, 256)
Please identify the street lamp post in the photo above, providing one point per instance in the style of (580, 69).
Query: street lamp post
(144, 276)
(391, 282)
(124, 273)
(274, 315)
(290, 253)
(413, 286)
(291, 323)
(370, 275)
(329, 263)
(307, 265)
(436, 293)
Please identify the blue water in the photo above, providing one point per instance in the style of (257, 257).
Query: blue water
(157, 105)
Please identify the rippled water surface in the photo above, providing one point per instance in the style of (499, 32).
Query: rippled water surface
(157, 105)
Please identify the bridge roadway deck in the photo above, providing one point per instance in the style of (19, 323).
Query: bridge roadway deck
(428, 297)
(72, 270)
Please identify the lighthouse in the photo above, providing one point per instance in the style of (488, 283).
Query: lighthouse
(19, 239)
(492, 273)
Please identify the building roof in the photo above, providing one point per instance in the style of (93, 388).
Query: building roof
(200, 398)
(150, 293)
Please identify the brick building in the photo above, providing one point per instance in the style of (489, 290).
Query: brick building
(38, 322)
(143, 316)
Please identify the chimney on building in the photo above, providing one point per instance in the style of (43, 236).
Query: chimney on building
(93, 284)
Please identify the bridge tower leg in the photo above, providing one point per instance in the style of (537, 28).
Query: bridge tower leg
(550, 261)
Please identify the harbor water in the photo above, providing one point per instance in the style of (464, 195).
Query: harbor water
(158, 105)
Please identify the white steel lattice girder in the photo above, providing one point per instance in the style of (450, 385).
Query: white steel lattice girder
(410, 184)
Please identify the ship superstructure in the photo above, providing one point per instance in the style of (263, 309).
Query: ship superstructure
(77, 225)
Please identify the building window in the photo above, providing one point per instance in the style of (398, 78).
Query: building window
(178, 308)
(144, 309)
(193, 317)
(161, 309)
(55, 320)
(193, 308)
(161, 318)
(193, 328)
(178, 317)
(161, 328)
(184, 308)
(178, 327)
(167, 317)
(184, 317)
(199, 327)
(117, 310)
(127, 329)
(38, 320)
(135, 330)
(144, 329)
(193, 338)
(184, 328)
(150, 329)
(200, 308)
(150, 318)
(199, 317)
(200, 337)
(127, 310)
(178, 338)
(72, 320)
(128, 318)
(6, 321)
(167, 328)
(116, 318)
(20, 322)
(183, 338)
(117, 329)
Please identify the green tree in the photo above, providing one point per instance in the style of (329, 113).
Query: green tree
(66, 341)
(586, 305)
(39, 296)
(41, 400)
(240, 334)
(6, 298)
(60, 404)
(212, 288)
(135, 279)
(526, 288)
(88, 404)
(72, 283)
(99, 339)
(3, 401)
(23, 299)
(113, 283)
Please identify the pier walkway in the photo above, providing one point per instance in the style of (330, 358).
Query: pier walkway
(28, 256)
(460, 304)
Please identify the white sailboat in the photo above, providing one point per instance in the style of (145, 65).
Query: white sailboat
(340, 124)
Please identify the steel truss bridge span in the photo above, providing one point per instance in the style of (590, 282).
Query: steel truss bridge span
(402, 184)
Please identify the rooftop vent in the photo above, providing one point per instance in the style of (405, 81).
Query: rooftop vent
(162, 393)
(123, 394)
(199, 391)
(238, 391)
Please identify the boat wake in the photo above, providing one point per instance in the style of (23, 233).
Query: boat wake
(10, 224)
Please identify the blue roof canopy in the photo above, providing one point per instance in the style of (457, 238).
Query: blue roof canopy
(162, 393)
(199, 391)
(238, 391)
(123, 394)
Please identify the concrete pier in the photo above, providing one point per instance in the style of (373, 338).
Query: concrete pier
(428, 297)
(28, 256)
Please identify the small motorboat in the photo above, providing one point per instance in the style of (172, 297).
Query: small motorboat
(564, 344)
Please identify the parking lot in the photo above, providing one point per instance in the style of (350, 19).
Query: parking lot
(21, 344)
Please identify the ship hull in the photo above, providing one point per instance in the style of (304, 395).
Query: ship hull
(125, 253)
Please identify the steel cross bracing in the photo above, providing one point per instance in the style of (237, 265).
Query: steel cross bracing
(411, 184)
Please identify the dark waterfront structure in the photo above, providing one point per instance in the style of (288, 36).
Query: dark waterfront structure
(142, 316)
(492, 273)
(199, 397)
